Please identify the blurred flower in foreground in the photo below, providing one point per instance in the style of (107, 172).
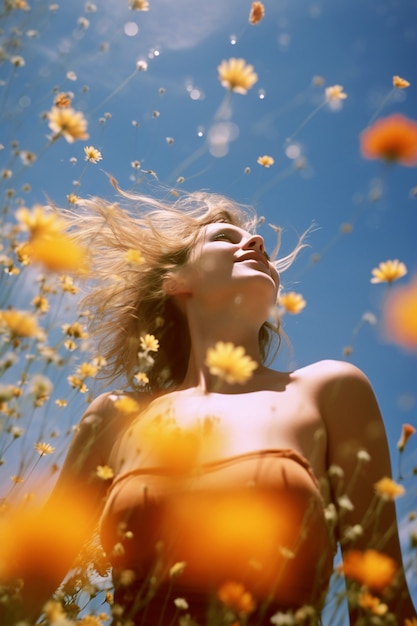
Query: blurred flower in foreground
(265, 160)
(400, 316)
(388, 271)
(92, 154)
(234, 596)
(127, 405)
(68, 123)
(170, 446)
(369, 568)
(335, 92)
(292, 302)
(139, 5)
(400, 83)
(19, 324)
(38, 221)
(230, 363)
(406, 433)
(257, 11)
(48, 243)
(236, 75)
(388, 489)
(29, 540)
(392, 139)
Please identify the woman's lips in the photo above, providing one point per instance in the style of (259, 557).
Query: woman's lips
(254, 256)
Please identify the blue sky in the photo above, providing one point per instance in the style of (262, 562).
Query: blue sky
(359, 44)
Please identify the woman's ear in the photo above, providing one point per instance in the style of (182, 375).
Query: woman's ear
(176, 284)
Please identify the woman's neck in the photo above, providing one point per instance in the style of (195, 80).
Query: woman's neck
(206, 330)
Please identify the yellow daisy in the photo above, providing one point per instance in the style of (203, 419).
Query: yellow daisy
(230, 363)
(44, 448)
(265, 160)
(388, 271)
(87, 369)
(39, 221)
(335, 92)
(67, 122)
(149, 343)
(92, 154)
(236, 75)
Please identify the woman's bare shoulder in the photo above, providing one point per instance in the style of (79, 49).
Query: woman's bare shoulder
(115, 404)
(102, 423)
(330, 371)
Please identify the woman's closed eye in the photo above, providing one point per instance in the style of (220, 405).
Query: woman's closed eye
(223, 237)
(230, 238)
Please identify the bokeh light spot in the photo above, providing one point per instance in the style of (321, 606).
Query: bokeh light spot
(131, 29)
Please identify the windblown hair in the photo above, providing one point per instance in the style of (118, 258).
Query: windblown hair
(127, 298)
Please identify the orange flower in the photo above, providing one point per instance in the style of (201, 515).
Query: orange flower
(392, 139)
(257, 11)
(234, 596)
(139, 5)
(400, 83)
(388, 489)
(406, 433)
(292, 302)
(29, 539)
(400, 316)
(370, 568)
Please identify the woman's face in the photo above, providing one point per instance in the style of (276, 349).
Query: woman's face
(228, 256)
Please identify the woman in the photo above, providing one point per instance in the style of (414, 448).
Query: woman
(231, 482)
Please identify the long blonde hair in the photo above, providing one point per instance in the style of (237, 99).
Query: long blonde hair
(127, 300)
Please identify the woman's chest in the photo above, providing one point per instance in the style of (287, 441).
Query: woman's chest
(182, 428)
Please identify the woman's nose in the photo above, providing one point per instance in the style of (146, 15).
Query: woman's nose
(254, 242)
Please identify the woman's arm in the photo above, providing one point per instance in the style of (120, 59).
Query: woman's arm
(45, 544)
(358, 457)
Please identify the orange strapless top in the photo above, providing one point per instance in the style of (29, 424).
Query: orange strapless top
(250, 526)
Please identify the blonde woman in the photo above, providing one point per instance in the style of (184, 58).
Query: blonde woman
(231, 482)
